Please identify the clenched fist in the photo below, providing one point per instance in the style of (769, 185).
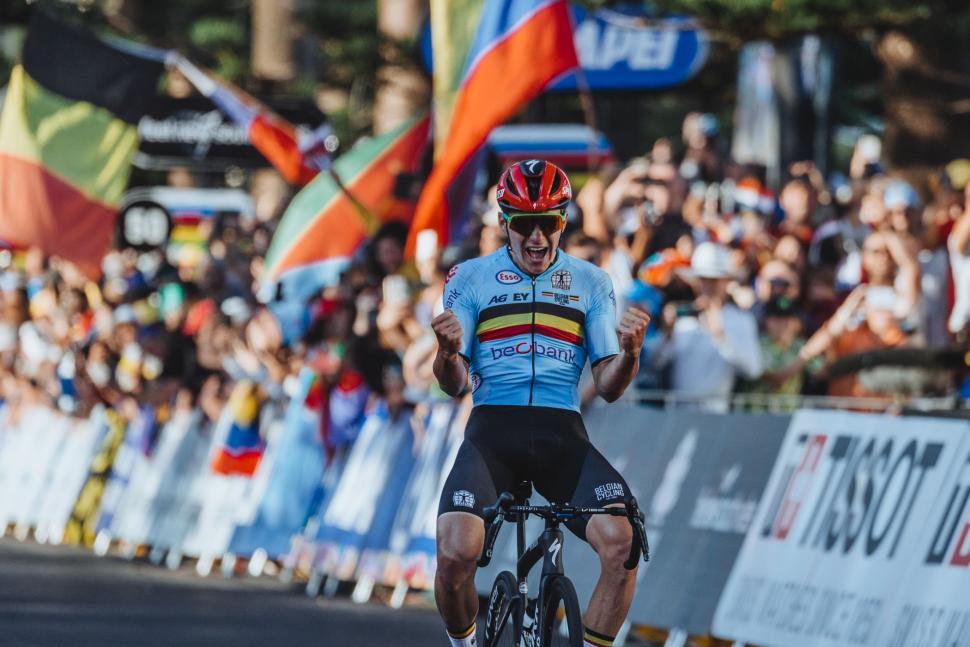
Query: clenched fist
(631, 329)
(448, 330)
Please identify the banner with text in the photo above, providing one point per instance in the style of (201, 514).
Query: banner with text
(852, 508)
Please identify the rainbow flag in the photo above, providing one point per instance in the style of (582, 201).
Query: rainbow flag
(298, 154)
(68, 133)
(482, 77)
(322, 227)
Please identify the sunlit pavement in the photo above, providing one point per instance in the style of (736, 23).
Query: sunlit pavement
(53, 596)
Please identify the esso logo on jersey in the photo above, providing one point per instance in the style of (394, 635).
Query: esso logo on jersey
(508, 278)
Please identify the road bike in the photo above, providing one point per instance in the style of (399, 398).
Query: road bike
(553, 617)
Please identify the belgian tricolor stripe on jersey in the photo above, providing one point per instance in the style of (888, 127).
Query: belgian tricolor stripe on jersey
(68, 133)
(553, 321)
(553, 295)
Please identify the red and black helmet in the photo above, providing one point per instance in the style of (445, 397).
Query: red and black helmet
(533, 186)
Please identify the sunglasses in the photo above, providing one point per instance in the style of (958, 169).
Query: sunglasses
(524, 224)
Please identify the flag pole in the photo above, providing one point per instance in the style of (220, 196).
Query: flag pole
(589, 116)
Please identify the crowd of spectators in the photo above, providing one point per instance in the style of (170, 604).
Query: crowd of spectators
(749, 292)
(806, 292)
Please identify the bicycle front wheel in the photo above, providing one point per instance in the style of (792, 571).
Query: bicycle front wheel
(561, 619)
(501, 616)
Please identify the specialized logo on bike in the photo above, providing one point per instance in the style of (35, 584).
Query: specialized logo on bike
(506, 277)
(463, 499)
(562, 280)
(608, 491)
(546, 350)
(554, 550)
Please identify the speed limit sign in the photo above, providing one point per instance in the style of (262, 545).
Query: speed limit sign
(144, 225)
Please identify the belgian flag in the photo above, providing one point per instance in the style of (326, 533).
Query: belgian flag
(68, 133)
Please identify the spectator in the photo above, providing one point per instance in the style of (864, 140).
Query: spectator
(865, 321)
(711, 343)
(888, 261)
(798, 203)
(386, 250)
(958, 245)
(781, 340)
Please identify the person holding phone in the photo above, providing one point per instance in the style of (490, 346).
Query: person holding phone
(711, 342)
(865, 321)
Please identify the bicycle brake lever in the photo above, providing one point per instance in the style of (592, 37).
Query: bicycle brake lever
(639, 543)
(493, 516)
(500, 506)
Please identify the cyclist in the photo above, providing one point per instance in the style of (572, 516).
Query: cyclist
(518, 326)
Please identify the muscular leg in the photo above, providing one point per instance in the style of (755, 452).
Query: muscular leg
(461, 536)
(610, 537)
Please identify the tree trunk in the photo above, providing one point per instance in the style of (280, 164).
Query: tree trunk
(402, 88)
(272, 40)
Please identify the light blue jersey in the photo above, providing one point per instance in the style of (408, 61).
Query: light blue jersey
(527, 339)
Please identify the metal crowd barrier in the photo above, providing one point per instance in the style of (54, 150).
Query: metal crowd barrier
(766, 527)
(785, 403)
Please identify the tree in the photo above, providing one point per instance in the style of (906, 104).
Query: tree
(920, 43)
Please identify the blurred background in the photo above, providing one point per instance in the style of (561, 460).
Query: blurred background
(225, 226)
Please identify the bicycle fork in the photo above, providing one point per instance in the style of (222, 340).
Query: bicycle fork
(547, 547)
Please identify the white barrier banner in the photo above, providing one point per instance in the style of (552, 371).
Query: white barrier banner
(69, 474)
(844, 517)
(932, 607)
(44, 433)
(134, 517)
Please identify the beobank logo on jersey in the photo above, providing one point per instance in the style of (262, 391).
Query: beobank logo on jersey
(564, 355)
(506, 277)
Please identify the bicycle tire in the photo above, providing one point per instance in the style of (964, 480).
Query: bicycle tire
(500, 617)
(557, 592)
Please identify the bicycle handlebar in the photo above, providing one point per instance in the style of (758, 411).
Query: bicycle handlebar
(504, 509)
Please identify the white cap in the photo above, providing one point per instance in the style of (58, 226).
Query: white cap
(712, 261)
(125, 314)
(237, 310)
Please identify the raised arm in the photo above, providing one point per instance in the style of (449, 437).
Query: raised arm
(450, 367)
(908, 277)
(613, 374)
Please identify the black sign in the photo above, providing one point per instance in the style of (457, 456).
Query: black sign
(193, 132)
(699, 479)
(144, 225)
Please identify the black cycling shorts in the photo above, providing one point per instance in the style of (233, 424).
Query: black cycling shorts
(506, 445)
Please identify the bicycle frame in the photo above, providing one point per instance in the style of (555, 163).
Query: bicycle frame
(548, 546)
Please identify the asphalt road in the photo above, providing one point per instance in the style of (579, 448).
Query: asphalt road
(54, 596)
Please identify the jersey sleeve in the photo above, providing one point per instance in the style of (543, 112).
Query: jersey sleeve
(459, 297)
(601, 341)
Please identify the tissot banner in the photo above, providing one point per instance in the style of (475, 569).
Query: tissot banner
(932, 607)
(859, 518)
